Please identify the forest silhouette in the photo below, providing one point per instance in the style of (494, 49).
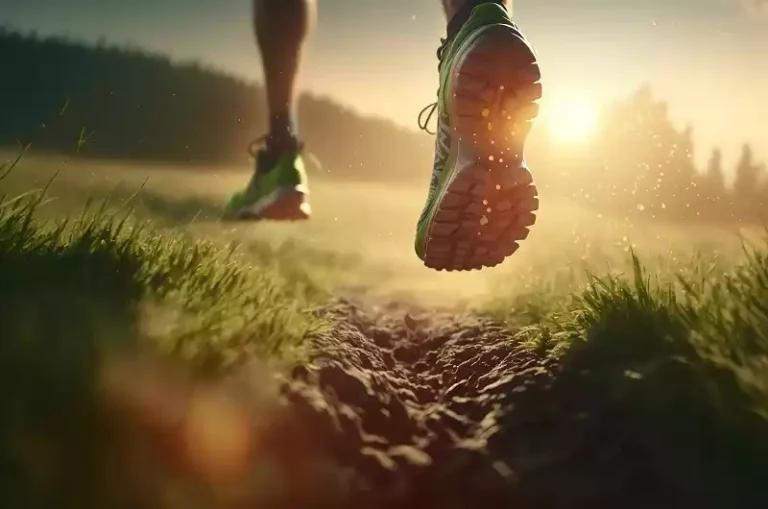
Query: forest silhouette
(125, 103)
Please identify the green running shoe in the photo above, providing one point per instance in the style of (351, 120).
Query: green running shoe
(481, 199)
(277, 191)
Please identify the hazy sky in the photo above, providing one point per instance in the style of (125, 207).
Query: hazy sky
(709, 58)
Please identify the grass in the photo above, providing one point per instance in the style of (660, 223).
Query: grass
(353, 225)
(76, 288)
(106, 255)
(681, 354)
(677, 347)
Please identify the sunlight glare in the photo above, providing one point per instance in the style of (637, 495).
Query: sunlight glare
(572, 119)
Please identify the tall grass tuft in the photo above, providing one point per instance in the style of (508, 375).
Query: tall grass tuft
(683, 358)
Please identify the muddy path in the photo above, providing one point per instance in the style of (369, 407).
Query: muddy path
(405, 407)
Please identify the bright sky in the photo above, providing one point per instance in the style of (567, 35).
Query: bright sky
(707, 57)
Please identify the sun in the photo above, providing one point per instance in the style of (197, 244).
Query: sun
(572, 119)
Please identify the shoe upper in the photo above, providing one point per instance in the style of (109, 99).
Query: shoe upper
(273, 172)
(287, 170)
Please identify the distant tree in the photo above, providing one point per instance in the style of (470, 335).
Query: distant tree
(715, 187)
(747, 176)
(643, 98)
(748, 183)
(715, 176)
(761, 195)
(650, 168)
(714, 196)
(681, 188)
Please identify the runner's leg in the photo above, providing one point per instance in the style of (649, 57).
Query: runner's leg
(281, 29)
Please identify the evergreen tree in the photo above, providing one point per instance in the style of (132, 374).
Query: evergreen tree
(761, 198)
(714, 200)
(747, 180)
(682, 171)
(715, 177)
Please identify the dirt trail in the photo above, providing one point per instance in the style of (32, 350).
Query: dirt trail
(424, 409)
(398, 407)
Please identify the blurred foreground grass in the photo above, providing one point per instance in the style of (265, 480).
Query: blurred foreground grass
(76, 289)
(79, 289)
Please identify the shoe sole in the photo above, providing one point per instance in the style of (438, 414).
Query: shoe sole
(489, 203)
(285, 205)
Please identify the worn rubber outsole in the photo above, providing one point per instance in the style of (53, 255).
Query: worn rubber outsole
(490, 203)
(288, 206)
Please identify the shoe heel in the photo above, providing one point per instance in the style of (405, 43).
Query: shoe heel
(290, 205)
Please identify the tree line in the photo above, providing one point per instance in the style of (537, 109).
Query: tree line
(120, 102)
(116, 102)
(641, 165)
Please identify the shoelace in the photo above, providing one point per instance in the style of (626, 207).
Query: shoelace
(430, 109)
(424, 122)
(256, 145)
(261, 141)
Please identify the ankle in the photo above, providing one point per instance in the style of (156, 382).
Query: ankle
(282, 128)
(281, 142)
